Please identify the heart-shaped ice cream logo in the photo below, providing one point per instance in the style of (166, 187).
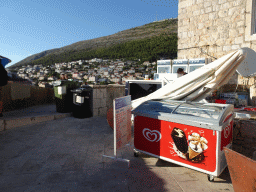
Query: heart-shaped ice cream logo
(151, 135)
(227, 131)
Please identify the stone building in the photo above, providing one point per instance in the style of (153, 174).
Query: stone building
(214, 28)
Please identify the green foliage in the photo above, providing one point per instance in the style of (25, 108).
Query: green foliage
(148, 49)
(103, 83)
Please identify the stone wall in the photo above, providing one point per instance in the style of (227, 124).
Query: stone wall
(16, 96)
(214, 28)
(244, 137)
(103, 96)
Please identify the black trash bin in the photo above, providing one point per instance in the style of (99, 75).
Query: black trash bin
(64, 96)
(82, 102)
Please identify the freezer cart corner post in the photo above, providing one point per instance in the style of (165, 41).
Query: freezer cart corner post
(225, 137)
(192, 134)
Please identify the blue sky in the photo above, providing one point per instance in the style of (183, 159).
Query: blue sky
(32, 26)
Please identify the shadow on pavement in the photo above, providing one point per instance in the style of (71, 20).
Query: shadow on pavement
(66, 155)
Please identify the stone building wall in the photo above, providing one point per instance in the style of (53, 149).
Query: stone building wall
(103, 96)
(214, 28)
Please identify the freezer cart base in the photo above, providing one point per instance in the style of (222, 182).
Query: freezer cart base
(210, 175)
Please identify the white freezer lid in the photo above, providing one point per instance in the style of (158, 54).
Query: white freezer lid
(205, 115)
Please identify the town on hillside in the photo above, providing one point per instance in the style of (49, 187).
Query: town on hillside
(94, 71)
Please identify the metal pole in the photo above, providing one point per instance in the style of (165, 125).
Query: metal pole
(114, 113)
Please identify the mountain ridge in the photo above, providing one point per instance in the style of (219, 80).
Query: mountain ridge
(149, 30)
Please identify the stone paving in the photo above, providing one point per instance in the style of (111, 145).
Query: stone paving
(66, 155)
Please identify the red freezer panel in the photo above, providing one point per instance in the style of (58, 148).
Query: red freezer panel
(226, 135)
(183, 143)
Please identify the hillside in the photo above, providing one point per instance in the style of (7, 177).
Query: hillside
(141, 36)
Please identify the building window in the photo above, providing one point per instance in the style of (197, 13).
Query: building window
(250, 30)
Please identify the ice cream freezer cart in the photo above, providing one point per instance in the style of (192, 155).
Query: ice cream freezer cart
(189, 134)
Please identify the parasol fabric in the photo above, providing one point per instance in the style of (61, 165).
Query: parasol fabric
(197, 85)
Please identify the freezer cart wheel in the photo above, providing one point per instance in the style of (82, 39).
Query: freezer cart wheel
(210, 178)
(136, 154)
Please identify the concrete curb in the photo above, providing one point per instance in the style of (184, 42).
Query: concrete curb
(6, 124)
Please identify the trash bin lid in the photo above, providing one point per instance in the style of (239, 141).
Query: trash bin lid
(69, 84)
(82, 89)
(56, 83)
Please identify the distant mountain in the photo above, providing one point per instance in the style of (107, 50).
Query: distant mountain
(88, 48)
(35, 57)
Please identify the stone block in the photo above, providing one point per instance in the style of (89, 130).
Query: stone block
(234, 47)
(196, 13)
(233, 33)
(180, 22)
(202, 43)
(180, 35)
(96, 103)
(219, 49)
(104, 91)
(204, 17)
(215, 8)
(191, 34)
(199, 1)
(95, 91)
(103, 111)
(212, 16)
(240, 24)
(200, 25)
(185, 4)
(239, 40)
(12, 123)
(237, 3)
(212, 49)
(100, 93)
(95, 112)
(103, 102)
(223, 13)
(232, 25)
(226, 48)
(207, 4)
(60, 116)
(208, 10)
(248, 129)
(42, 118)
(1, 125)
(185, 21)
(215, 36)
(226, 6)
(229, 41)
(232, 10)
(242, 10)
(221, 42)
(222, 1)
(242, 17)
(184, 35)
